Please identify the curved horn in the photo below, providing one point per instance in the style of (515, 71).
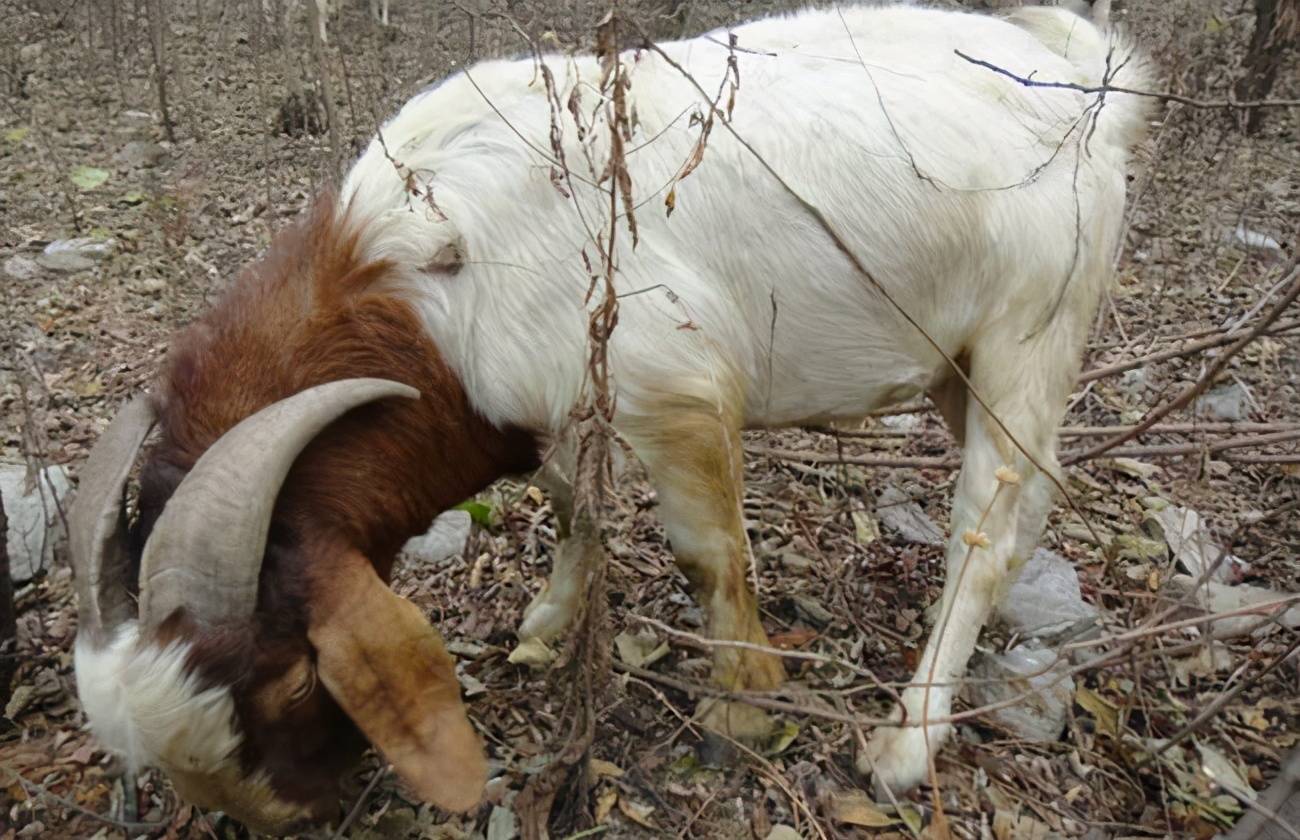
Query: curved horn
(97, 524)
(205, 552)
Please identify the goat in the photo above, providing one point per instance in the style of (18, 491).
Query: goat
(424, 332)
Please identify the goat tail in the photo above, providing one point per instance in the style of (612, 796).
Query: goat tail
(1105, 57)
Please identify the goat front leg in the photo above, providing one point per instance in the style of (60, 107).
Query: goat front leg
(999, 510)
(577, 553)
(692, 450)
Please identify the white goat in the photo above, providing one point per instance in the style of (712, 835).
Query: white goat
(988, 210)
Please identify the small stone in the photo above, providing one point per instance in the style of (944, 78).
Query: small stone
(502, 824)
(152, 286)
(141, 153)
(79, 254)
(783, 832)
(795, 562)
(446, 538)
(1216, 597)
(898, 513)
(1039, 716)
(35, 521)
(21, 268)
(28, 53)
(1226, 404)
(1046, 597)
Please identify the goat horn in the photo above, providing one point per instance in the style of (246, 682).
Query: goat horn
(97, 524)
(205, 552)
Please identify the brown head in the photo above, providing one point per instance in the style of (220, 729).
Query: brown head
(308, 428)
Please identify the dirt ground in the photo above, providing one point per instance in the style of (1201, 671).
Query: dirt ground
(84, 153)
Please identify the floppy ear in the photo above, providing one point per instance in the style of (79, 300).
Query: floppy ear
(386, 666)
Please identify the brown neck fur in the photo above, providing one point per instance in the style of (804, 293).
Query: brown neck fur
(309, 313)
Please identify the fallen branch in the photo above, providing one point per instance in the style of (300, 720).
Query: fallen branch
(1150, 94)
(1197, 388)
(1173, 450)
(1186, 350)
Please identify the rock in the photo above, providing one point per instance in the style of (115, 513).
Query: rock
(1256, 240)
(502, 824)
(445, 539)
(902, 422)
(1046, 598)
(898, 513)
(1134, 382)
(783, 832)
(35, 524)
(21, 268)
(795, 562)
(152, 286)
(1189, 540)
(141, 153)
(1226, 404)
(1215, 597)
(28, 53)
(78, 254)
(1039, 716)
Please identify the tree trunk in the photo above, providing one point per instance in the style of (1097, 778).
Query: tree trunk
(1277, 27)
(157, 28)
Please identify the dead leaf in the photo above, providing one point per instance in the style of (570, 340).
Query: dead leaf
(636, 812)
(1102, 710)
(856, 808)
(1224, 772)
(641, 649)
(604, 804)
(783, 738)
(607, 769)
(795, 637)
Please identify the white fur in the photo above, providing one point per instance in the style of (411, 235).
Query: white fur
(989, 211)
(144, 704)
(957, 256)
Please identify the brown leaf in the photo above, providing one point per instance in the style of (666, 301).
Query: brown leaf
(795, 637)
(636, 812)
(856, 808)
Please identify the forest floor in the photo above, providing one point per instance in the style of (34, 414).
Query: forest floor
(83, 154)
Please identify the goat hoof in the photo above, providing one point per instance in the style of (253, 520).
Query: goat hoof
(544, 619)
(896, 758)
(532, 652)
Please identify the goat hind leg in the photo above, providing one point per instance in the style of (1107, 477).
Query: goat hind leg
(692, 449)
(997, 519)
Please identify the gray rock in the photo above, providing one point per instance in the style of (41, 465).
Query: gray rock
(898, 513)
(1040, 716)
(1216, 598)
(21, 268)
(1256, 240)
(1045, 599)
(141, 153)
(78, 254)
(502, 824)
(35, 525)
(446, 538)
(1226, 404)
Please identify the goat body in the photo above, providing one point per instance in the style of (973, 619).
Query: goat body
(456, 259)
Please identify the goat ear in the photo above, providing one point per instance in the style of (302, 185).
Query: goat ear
(383, 662)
